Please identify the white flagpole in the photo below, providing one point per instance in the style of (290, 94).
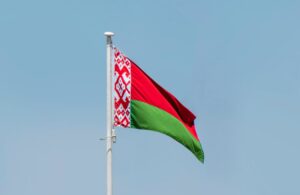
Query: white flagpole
(109, 107)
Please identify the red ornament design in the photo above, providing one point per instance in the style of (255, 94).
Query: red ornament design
(122, 89)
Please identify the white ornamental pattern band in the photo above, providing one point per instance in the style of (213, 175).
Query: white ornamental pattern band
(122, 89)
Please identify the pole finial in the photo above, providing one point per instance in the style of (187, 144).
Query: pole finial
(109, 34)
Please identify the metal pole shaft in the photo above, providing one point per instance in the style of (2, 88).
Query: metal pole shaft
(109, 121)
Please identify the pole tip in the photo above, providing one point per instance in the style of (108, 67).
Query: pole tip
(109, 34)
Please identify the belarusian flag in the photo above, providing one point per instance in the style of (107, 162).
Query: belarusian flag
(143, 104)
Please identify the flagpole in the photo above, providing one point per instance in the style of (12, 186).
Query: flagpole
(109, 122)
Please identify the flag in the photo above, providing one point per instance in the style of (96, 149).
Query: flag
(141, 103)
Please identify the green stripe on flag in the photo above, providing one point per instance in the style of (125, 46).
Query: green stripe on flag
(146, 116)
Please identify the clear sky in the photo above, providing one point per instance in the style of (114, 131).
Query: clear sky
(235, 64)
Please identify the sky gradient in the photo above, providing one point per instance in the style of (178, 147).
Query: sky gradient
(235, 64)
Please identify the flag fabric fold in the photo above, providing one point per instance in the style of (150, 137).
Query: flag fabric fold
(141, 103)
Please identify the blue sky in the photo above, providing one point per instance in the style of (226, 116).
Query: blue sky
(235, 64)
